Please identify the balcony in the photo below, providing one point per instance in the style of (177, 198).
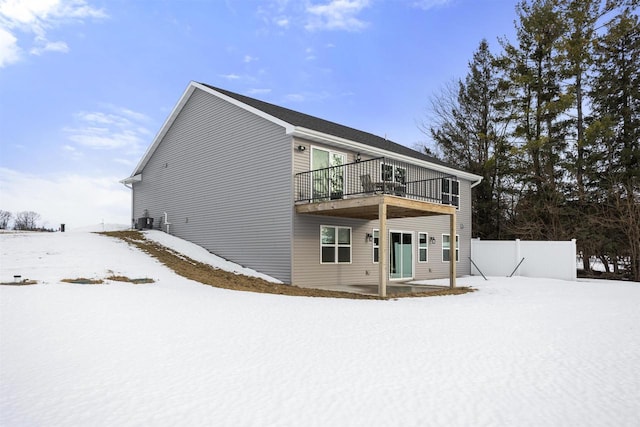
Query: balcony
(379, 189)
(376, 177)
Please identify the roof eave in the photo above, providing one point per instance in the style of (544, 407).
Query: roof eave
(286, 125)
(131, 179)
(322, 137)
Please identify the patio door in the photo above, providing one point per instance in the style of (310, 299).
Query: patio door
(328, 178)
(400, 255)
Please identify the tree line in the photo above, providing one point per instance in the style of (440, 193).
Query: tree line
(24, 221)
(552, 124)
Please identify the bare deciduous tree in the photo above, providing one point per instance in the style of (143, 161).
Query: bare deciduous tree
(26, 220)
(5, 217)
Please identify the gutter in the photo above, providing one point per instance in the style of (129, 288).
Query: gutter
(476, 183)
(131, 180)
(312, 135)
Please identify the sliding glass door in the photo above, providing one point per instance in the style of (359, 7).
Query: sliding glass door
(400, 255)
(328, 181)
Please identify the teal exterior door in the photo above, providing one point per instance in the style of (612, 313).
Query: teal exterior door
(400, 255)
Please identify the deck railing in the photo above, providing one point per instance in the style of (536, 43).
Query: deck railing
(380, 175)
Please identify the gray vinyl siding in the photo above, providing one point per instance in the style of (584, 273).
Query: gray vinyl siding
(224, 177)
(302, 159)
(308, 271)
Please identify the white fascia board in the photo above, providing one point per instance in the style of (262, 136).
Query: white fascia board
(313, 135)
(132, 179)
(287, 126)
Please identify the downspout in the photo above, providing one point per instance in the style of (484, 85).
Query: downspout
(131, 188)
(166, 221)
(476, 183)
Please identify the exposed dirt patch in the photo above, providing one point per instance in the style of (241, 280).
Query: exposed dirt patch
(20, 283)
(84, 281)
(209, 275)
(129, 280)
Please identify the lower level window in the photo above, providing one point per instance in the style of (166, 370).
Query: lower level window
(423, 247)
(376, 245)
(446, 247)
(335, 244)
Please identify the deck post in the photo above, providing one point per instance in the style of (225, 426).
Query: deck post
(383, 250)
(452, 250)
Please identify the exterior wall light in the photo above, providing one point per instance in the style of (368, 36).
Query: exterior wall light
(369, 237)
(301, 148)
(432, 240)
(358, 158)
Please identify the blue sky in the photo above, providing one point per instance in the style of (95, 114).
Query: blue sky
(85, 85)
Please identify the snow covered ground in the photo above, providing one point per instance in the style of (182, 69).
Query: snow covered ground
(520, 351)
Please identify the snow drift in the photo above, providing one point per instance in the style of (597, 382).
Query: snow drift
(520, 351)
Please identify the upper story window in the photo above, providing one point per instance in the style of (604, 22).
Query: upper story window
(451, 192)
(391, 173)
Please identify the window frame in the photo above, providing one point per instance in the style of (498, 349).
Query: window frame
(449, 248)
(375, 245)
(450, 195)
(335, 179)
(390, 172)
(336, 245)
(425, 247)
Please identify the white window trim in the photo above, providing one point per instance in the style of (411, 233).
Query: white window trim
(452, 194)
(426, 247)
(457, 247)
(337, 245)
(331, 151)
(374, 246)
(413, 254)
(345, 159)
(394, 168)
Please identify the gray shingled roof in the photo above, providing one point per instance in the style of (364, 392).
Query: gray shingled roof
(296, 118)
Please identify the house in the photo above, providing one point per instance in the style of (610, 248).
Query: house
(305, 200)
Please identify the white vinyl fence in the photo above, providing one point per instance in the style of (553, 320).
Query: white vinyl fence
(555, 260)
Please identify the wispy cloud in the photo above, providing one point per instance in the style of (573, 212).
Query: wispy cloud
(33, 19)
(295, 97)
(9, 50)
(47, 46)
(309, 54)
(114, 129)
(429, 4)
(315, 15)
(336, 15)
(244, 77)
(307, 96)
(248, 58)
(230, 76)
(258, 91)
(282, 21)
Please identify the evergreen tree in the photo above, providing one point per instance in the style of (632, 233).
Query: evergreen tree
(614, 163)
(533, 70)
(576, 50)
(470, 132)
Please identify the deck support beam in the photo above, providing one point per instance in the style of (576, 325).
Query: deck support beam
(383, 250)
(452, 250)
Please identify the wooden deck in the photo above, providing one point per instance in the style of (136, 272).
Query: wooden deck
(367, 207)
